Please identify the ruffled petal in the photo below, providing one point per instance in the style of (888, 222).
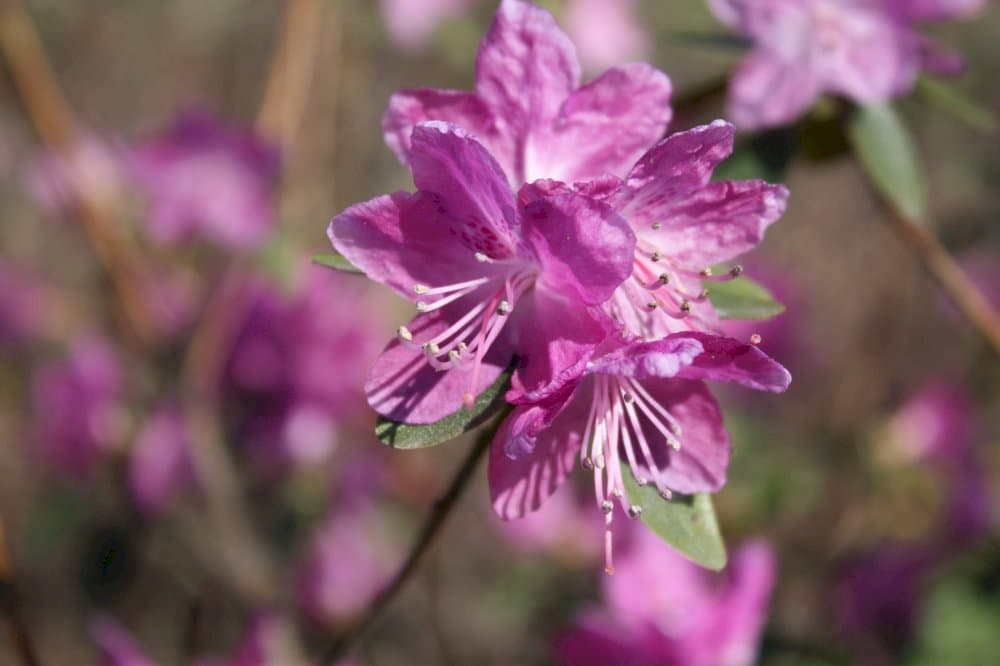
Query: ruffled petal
(714, 224)
(407, 108)
(583, 247)
(728, 360)
(768, 91)
(469, 188)
(662, 358)
(603, 127)
(532, 454)
(404, 387)
(525, 70)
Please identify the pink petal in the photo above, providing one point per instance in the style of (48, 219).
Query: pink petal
(729, 360)
(471, 189)
(585, 249)
(936, 10)
(525, 69)
(767, 91)
(716, 223)
(403, 387)
(529, 458)
(607, 32)
(407, 108)
(604, 126)
(662, 359)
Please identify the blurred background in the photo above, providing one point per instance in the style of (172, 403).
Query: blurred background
(188, 470)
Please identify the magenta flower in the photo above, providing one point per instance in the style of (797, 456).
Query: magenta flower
(684, 224)
(492, 275)
(866, 50)
(159, 463)
(93, 167)
(204, 179)
(25, 306)
(529, 110)
(563, 528)
(296, 367)
(662, 609)
(78, 412)
(641, 408)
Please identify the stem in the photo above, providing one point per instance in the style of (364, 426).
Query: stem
(949, 275)
(10, 603)
(431, 528)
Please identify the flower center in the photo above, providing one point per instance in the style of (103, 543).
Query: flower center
(466, 341)
(621, 414)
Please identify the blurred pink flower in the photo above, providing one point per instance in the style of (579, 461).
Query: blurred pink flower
(24, 305)
(564, 527)
(606, 32)
(78, 410)
(866, 50)
(205, 179)
(296, 369)
(661, 609)
(94, 166)
(348, 562)
(159, 463)
(411, 23)
(115, 646)
(529, 110)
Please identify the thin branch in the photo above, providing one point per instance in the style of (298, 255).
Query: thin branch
(430, 530)
(15, 624)
(962, 291)
(46, 107)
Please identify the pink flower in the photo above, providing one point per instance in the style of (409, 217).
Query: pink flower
(410, 23)
(493, 275)
(24, 307)
(662, 609)
(529, 110)
(78, 413)
(204, 179)
(563, 528)
(639, 408)
(866, 50)
(160, 464)
(296, 367)
(93, 167)
(606, 32)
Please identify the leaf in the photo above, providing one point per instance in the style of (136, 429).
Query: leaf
(337, 262)
(742, 298)
(405, 436)
(885, 150)
(686, 522)
(957, 104)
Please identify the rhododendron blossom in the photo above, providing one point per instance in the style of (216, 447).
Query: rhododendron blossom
(530, 111)
(491, 275)
(866, 50)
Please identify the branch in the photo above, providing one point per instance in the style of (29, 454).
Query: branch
(10, 603)
(430, 530)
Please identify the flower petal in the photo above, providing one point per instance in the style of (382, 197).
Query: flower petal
(403, 387)
(714, 224)
(767, 91)
(525, 70)
(662, 358)
(603, 127)
(532, 454)
(585, 249)
(728, 360)
(407, 108)
(700, 464)
(471, 189)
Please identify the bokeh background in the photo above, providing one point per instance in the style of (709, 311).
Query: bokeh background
(875, 479)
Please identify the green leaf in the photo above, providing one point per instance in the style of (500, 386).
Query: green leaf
(956, 104)
(405, 436)
(686, 522)
(886, 152)
(742, 298)
(337, 262)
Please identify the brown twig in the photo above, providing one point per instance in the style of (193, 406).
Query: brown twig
(48, 110)
(949, 275)
(425, 538)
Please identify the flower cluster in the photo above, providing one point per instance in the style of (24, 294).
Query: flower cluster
(553, 229)
(865, 50)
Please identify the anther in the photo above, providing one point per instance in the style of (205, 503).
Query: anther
(421, 288)
(657, 226)
(736, 270)
(628, 397)
(462, 347)
(588, 464)
(482, 258)
(599, 461)
(617, 492)
(431, 348)
(421, 306)
(454, 356)
(685, 307)
(755, 339)
(404, 334)
(675, 445)
(706, 272)
(651, 305)
(656, 256)
(634, 511)
(504, 307)
(664, 278)
(641, 481)
(607, 506)
(703, 294)
(666, 494)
